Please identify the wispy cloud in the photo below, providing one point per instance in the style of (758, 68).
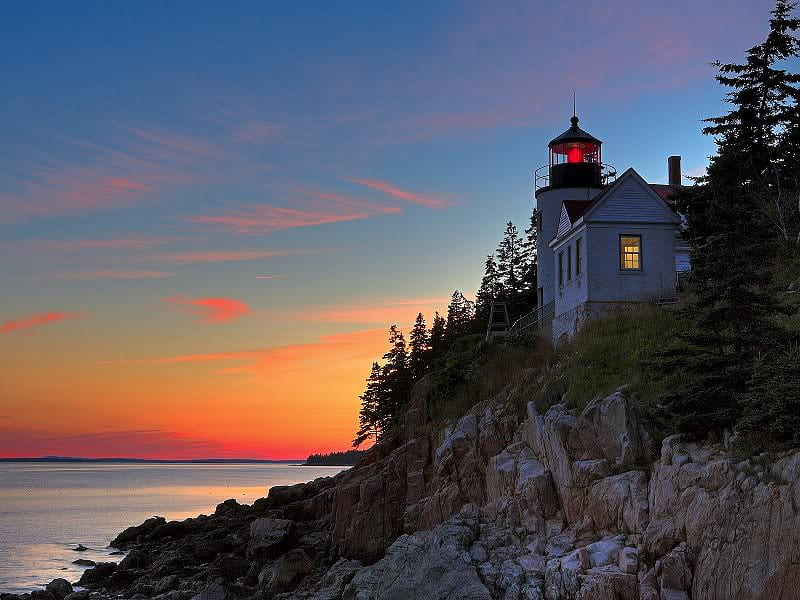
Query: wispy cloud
(36, 320)
(351, 346)
(324, 208)
(49, 192)
(215, 256)
(258, 131)
(270, 276)
(115, 244)
(211, 310)
(427, 200)
(118, 274)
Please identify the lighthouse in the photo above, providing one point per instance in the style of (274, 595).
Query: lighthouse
(575, 173)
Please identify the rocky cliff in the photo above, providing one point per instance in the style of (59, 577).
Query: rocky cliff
(496, 505)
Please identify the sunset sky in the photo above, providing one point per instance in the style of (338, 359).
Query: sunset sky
(210, 213)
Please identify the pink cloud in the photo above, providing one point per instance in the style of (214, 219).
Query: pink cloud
(216, 256)
(211, 310)
(395, 192)
(36, 320)
(50, 192)
(323, 208)
(116, 244)
(118, 274)
(355, 345)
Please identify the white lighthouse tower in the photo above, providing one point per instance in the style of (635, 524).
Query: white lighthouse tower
(575, 173)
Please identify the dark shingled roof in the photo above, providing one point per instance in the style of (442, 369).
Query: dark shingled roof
(662, 190)
(576, 208)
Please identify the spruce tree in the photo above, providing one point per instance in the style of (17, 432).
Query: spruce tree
(529, 299)
(369, 417)
(731, 307)
(419, 343)
(489, 291)
(460, 314)
(437, 337)
(511, 265)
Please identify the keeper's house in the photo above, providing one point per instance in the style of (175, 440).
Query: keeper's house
(605, 242)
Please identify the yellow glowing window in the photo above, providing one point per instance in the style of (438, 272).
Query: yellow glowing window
(630, 252)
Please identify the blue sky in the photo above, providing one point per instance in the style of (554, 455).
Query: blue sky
(156, 158)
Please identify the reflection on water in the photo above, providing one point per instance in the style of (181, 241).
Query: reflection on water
(47, 509)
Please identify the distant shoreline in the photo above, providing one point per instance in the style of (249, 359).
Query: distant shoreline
(59, 459)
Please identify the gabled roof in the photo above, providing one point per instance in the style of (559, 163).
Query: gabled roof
(576, 208)
(663, 190)
(629, 199)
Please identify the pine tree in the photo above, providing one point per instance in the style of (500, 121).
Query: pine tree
(396, 377)
(730, 306)
(419, 343)
(510, 265)
(490, 290)
(529, 298)
(460, 314)
(369, 420)
(437, 337)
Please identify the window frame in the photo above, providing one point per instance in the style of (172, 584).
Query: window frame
(578, 257)
(560, 268)
(622, 254)
(569, 263)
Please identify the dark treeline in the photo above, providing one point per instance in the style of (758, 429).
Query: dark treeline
(338, 459)
(739, 354)
(510, 276)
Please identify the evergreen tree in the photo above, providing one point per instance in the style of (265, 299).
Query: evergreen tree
(490, 290)
(460, 314)
(369, 417)
(437, 339)
(396, 378)
(730, 305)
(529, 299)
(419, 343)
(511, 266)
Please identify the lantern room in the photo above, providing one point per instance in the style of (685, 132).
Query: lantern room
(575, 159)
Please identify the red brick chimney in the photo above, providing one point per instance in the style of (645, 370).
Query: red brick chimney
(674, 170)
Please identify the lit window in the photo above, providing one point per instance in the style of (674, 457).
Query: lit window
(578, 256)
(560, 268)
(569, 263)
(630, 252)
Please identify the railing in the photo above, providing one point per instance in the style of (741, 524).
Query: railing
(541, 176)
(535, 319)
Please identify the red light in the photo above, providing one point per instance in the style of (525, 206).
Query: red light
(574, 155)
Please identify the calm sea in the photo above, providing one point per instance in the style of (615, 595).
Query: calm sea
(47, 509)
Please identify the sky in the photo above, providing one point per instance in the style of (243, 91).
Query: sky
(210, 213)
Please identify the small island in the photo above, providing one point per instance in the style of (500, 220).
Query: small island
(345, 458)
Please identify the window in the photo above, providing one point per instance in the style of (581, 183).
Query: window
(578, 257)
(569, 263)
(561, 268)
(630, 252)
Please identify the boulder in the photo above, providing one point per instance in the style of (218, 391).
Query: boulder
(231, 567)
(60, 588)
(97, 574)
(84, 562)
(137, 533)
(268, 538)
(292, 565)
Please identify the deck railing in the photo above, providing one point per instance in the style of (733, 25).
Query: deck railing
(535, 320)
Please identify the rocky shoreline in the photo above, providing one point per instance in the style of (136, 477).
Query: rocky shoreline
(497, 505)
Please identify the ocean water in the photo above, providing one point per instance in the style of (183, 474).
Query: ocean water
(47, 509)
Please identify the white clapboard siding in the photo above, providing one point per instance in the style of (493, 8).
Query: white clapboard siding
(630, 201)
(682, 261)
(564, 224)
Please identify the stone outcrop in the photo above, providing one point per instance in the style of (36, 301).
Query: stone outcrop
(497, 505)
